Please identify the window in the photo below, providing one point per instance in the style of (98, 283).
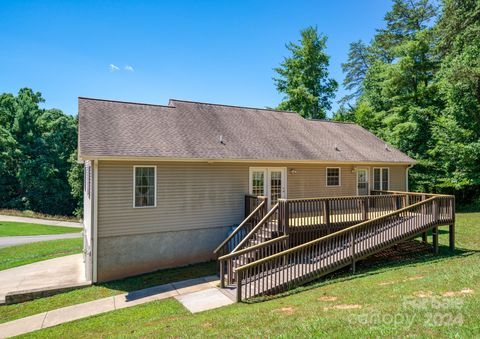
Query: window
(258, 182)
(145, 182)
(333, 176)
(381, 179)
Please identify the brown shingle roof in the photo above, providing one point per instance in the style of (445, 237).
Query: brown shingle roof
(192, 130)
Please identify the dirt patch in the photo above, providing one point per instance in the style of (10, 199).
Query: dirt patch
(449, 294)
(207, 325)
(286, 310)
(343, 307)
(423, 294)
(415, 277)
(327, 298)
(465, 291)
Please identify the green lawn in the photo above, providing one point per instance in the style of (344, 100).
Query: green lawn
(11, 312)
(26, 254)
(415, 294)
(11, 228)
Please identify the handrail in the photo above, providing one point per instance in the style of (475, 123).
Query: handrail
(254, 247)
(227, 263)
(344, 197)
(414, 193)
(257, 226)
(331, 235)
(237, 229)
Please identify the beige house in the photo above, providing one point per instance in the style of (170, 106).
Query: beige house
(165, 184)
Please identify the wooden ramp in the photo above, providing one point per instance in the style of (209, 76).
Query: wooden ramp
(269, 268)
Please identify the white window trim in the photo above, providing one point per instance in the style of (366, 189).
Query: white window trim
(368, 178)
(266, 185)
(155, 185)
(339, 177)
(265, 179)
(381, 178)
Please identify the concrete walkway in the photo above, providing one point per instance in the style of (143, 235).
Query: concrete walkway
(27, 239)
(184, 290)
(64, 271)
(41, 221)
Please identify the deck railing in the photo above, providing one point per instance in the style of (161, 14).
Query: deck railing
(267, 228)
(256, 208)
(315, 258)
(242, 257)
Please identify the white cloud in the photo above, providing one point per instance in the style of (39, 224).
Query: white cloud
(113, 68)
(128, 68)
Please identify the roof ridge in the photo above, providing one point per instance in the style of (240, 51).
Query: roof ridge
(236, 106)
(126, 102)
(333, 121)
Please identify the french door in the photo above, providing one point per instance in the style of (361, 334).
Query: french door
(269, 182)
(362, 181)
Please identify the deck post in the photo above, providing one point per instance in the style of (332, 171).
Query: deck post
(239, 286)
(222, 274)
(435, 210)
(365, 208)
(435, 239)
(326, 215)
(424, 237)
(451, 227)
(352, 241)
(451, 231)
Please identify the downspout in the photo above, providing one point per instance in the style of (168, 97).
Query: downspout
(406, 177)
(95, 221)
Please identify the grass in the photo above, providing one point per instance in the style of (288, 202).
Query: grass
(11, 228)
(11, 312)
(418, 294)
(32, 214)
(29, 253)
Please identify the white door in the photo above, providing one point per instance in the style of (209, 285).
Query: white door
(362, 181)
(269, 182)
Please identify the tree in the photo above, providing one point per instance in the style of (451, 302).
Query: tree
(355, 69)
(407, 18)
(304, 77)
(35, 147)
(457, 130)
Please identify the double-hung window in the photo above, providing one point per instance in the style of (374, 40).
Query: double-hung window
(381, 178)
(145, 186)
(333, 176)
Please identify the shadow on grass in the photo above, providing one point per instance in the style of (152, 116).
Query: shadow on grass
(405, 254)
(161, 277)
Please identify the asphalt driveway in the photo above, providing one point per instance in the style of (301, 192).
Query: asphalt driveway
(26, 239)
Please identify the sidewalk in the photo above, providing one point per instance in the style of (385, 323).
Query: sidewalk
(63, 271)
(200, 293)
(41, 221)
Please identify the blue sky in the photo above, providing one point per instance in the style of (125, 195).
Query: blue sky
(212, 51)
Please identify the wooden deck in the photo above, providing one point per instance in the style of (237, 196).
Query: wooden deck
(301, 240)
(312, 220)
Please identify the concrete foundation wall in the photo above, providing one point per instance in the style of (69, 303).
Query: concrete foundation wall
(123, 256)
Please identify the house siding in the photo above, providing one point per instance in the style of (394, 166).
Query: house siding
(197, 203)
(201, 195)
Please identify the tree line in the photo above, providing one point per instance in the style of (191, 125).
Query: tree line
(416, 85)
(38, 165)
